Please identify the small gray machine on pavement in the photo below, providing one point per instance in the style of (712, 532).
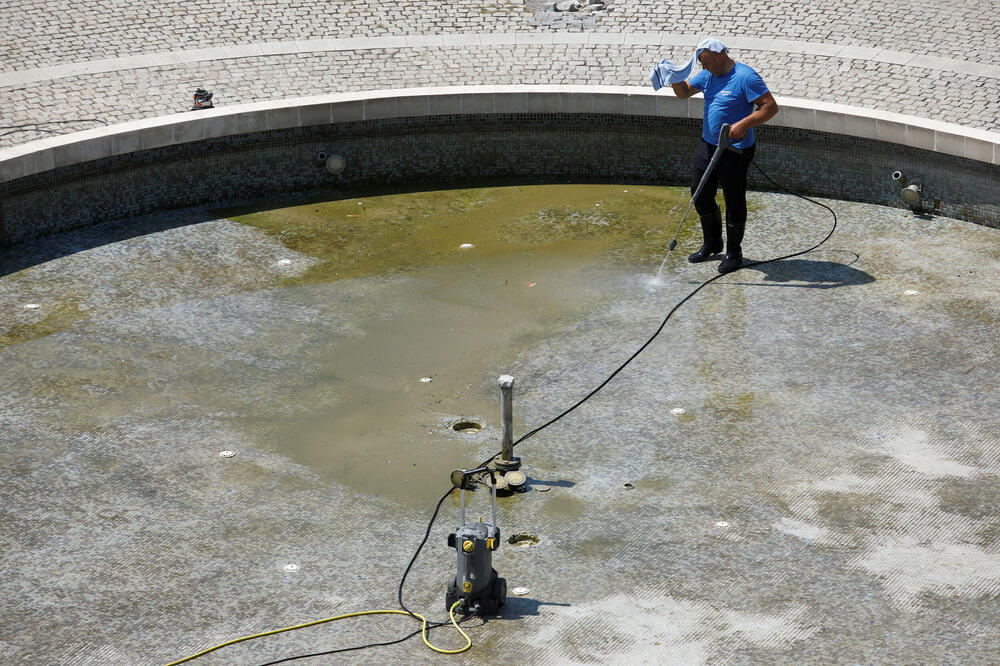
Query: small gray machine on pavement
(724, 145)
(476, 582)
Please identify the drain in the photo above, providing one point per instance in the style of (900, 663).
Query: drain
(523, 540)
(467, 427)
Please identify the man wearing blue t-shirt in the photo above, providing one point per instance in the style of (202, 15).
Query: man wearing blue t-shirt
(735, 95)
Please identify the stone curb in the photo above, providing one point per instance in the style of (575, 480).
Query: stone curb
(874, 54)
(68, 149)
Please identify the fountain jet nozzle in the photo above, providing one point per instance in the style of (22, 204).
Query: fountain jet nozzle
(506, 461)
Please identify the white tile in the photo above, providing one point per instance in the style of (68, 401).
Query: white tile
(830, 121)
(444, 105)
(892, 132)
(384, 107)
(670, 106)
(542, 102)
(609, 103)
(477, 103)
(412, 106)
(282, 118)
(860, 126)
(949, 143)
(509, 102)
(576, 103)
(919, 137)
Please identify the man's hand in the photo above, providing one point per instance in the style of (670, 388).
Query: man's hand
(767, 107)
(738, 130)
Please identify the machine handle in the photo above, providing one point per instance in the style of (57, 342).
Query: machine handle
(460, 479)
(724, 139)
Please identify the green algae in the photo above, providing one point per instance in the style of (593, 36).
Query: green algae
(564, 506)
(56, 318)
(846, 510)
(540, 257)
(403, 232)
(730, 406)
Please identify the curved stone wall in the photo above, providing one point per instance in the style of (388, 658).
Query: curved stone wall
(443, 137)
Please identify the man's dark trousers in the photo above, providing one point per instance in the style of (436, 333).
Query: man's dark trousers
(731, 173)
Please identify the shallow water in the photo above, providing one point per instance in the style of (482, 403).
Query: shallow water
(378, 235)
(540, 258)
(305, 330)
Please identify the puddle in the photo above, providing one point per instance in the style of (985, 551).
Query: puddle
(393, 233)
(401, 313)
(540, 257)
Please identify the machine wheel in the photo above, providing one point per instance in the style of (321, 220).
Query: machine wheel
(490, 603)
(502, 592)
(451, 596)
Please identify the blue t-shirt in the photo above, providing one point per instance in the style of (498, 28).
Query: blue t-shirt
(728, 99)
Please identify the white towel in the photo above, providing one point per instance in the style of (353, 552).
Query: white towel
(666, 72)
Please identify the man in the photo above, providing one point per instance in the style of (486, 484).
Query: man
(736, 95)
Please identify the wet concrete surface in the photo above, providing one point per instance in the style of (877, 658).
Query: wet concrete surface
(829, 493)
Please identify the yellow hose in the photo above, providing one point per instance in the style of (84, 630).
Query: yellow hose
(423, 632)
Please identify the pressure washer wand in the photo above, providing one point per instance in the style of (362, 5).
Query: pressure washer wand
(723, 145)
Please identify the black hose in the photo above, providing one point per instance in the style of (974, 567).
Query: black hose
(582, 400)
(627, 361)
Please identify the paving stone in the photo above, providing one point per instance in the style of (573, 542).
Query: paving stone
(144, 93)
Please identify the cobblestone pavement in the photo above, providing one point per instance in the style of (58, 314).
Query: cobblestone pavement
(42, 32)
(156, 91)
(46, 34)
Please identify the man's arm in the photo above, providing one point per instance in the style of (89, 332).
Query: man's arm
(683, 90)
(767, 108)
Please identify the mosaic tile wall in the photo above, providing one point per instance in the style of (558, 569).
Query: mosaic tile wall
(465, 150)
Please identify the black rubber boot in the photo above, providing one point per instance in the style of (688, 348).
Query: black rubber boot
(734, 249)
(711, 229)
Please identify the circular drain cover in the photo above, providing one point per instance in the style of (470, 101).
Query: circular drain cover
(227, 454)
(291, 567)
(501, 481)
(515, 479)
(520, 591)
